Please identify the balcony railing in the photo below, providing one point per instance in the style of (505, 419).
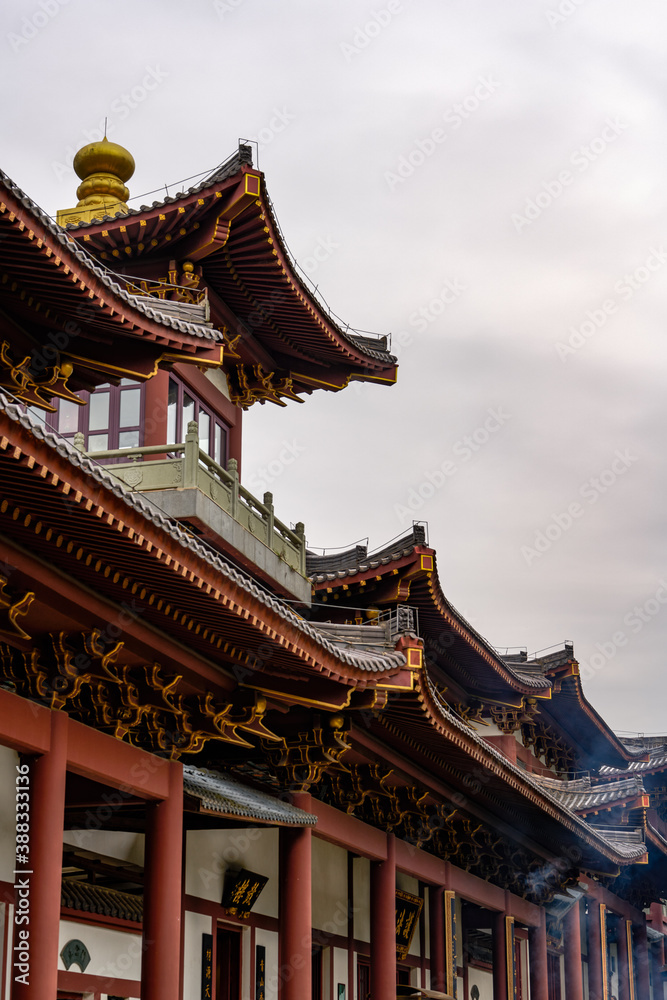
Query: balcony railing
(186, 466)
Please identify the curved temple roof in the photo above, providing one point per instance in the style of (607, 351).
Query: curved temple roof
(283, 339)
(406, 571)
(60, 301)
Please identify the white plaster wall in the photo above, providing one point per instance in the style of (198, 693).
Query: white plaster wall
(209, 853)
(123, 846)
(115, 954)
(483, 980)
(8, 761)
(340, 972)
(329, 887)
(195, 924)
(362, 899)
(427, 923)
(326, 973)
(218, 378)
(269, 939)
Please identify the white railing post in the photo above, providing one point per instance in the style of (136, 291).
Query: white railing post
(269, 519)
(300, 530)
(233, 470)
(191, 456)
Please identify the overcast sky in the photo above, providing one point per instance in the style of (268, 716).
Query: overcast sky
(488, 183)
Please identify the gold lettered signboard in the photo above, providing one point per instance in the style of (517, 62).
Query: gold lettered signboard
(408, 909)
(242, 890)
(206, 966)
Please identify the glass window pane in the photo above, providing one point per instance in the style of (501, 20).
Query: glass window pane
(130, 439)
(130, 407)
(68, 417)
(172, 412)
(188, 412)
(204, 432)
(98, 411)
(129, 381)
(217, 452)
(98, 442)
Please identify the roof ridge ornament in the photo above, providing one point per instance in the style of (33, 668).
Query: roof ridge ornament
(103, 168)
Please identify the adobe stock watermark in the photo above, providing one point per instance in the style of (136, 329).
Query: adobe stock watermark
(224, 7)
(591, 491)
(420, 319)
(260, 480)
(581, 159)
(634, 620)
(322, 251)
(120, 109)
(625, 288)
(564, 10)
(464, 449)
(374, 26)
(277, 123)
(453, 117)
(32, 24)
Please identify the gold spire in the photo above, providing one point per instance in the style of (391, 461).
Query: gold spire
(103, 168)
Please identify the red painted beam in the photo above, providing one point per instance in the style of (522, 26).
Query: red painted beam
(348, 832)
(102, 758)
(614, 903)
(24, 725)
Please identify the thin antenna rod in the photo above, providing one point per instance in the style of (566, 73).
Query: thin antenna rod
(105, 127)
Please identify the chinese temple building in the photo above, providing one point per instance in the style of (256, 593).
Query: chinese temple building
(232, 768)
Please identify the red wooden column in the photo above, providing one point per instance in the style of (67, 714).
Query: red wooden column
(642, 960)
(296, 907)
(499, 957)
(155, 409)
(383, 925)
(436, 923)
(41, 889)
(161, 944)
(596, 967)
(574, 982)
(537, 961)
(623, 960)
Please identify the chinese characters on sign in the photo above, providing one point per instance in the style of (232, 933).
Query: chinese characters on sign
(206, 966)
(408, 909)
(241, 891)
(260, 972)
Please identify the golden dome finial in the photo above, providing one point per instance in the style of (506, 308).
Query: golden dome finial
(103, 167)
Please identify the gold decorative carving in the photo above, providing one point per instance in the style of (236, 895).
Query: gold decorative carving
(36, 388)
(11, 608)
(300, 761)
(83, 674)
(250, 384)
